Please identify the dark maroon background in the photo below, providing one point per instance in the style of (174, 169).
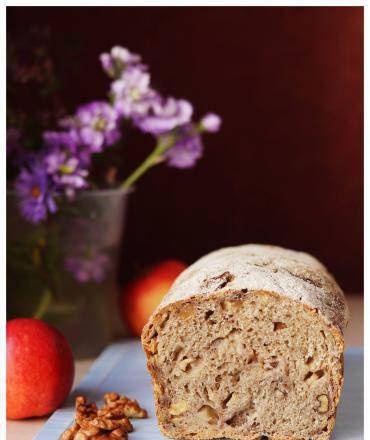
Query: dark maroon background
(287, 166)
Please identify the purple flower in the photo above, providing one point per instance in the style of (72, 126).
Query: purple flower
(96, 125)
(68, 141)
(118, 59)
(187, 149)
(124, 55)
(132, 93)
(165, 115)
(66, 171)
(34, 192)
(211, 122)
(64, 140)
(61, 139)
(88, 268)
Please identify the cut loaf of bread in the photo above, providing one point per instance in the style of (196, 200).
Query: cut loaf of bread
(248, 344)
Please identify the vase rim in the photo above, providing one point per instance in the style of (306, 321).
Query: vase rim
(92, 192)
(103, 191)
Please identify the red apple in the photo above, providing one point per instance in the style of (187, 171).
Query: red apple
(140, 297)
(39, 368)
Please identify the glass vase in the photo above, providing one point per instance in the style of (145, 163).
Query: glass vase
(65, 270)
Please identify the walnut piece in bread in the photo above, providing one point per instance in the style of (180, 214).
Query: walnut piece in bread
(248, 343)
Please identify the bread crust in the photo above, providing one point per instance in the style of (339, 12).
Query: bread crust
(293, 274)
(264, 270)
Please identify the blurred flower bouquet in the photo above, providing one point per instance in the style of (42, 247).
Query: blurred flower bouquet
(64, 246)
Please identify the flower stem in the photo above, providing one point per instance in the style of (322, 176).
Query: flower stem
(162, 146)
(43, 304)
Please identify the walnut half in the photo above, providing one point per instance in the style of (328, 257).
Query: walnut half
(129, 407)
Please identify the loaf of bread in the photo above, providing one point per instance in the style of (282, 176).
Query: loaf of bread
(248, 344)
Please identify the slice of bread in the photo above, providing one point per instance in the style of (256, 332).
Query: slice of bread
(248, 344)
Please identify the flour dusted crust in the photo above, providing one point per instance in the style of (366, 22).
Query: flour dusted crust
(296, 275)
(274, 280)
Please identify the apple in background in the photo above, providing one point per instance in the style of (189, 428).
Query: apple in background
(39, 368)
(140, 297)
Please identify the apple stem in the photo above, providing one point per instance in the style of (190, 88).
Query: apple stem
(43, 304)
(154, 158)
